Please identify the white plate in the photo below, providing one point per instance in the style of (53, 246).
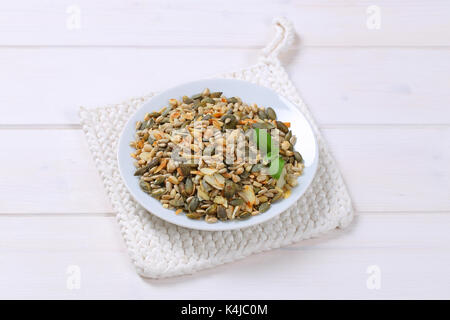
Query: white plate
(249, 93)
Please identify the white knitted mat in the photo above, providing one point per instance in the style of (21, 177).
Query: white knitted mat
(159, 249)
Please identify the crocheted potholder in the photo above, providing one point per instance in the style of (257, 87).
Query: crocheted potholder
(160, 249)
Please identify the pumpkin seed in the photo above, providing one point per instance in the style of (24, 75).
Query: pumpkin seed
(245, 215)
(282, 127)
(196, 215)
(187, 100)
(160, 180)
(145, 186)
(271, 113)
(193, 204)
(288, 136)
(177, 202)
(185, 170)
(141, 171)
(229, 189)
(298, 156)
(262, 115)
(151, 164)
(189, 187)
(232, 100)
(221, 213)
(236, 202)
(207, 100)
(278, 196)
(158, 192)
(230, 121)
(263, 207)
(212, 209)
(196, 96)
(143, 125)
(215, 94)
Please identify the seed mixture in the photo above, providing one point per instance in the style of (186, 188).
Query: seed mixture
(215, 158)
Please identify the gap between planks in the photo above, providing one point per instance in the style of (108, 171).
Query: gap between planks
(74, 126)
(388, 213)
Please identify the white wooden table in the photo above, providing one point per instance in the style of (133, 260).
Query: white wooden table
(379, 88)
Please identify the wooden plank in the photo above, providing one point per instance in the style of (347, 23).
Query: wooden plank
(221, 23)
(411, 251)
(341, 86)
(386, 169)
(49, 171)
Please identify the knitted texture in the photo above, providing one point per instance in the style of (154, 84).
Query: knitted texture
(160, 249)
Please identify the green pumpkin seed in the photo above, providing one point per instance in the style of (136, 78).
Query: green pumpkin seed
(221, 213)
(160, 180)
(145, 186)
(195, 215)
(187, 100)
(207, 100)
(229, 189)
(215, 94)
(277, 197)
(298, 156)
(244, 175)
(264, 207)
(282, 127)
(158, 192)
(193, 204)
(177, 202)
(230, 121)
(232, 100)
(144, 169)
(262, 115)
(271, 113)
(212, 210)
(236, 202)
(141, 171)
(143, 125)
(185, 170)
(245, 215)
(288, 136)
(196, 96)
(189, 187)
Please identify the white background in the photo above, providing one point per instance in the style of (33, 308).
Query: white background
(381, 97)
